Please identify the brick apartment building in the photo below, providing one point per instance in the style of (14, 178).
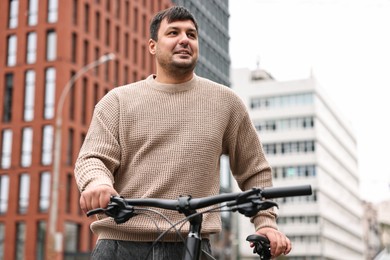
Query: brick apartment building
(43, 44)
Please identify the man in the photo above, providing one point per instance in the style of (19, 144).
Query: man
(162, 137)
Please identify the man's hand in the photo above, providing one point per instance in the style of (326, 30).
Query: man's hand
(96, 197)
(280, 244)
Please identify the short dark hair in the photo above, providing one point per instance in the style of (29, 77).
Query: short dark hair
(172, 14)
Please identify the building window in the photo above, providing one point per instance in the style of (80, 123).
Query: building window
(107, 71)
(118, 9)
(289, 147)
(24, 190)
(12, 50)
(41, 240)
(31, 51)
(27, 141)
(282, 101)
(47, 145)
(144, 23)
(97, 25)
(117, 38)
(126, 45)
(51, 45)
(75, 12)
(125, 75)
(143, 60)
(4, 193)
(20, 240)
(7, 98)
(84, 101)
(50, 83)
(135, 20)
(32, 18)
(68, 201)
(13, 14)
(6, 148)
(72, 235)
(116, 72)
(95, 94)
(69, 153)
(72, 98)
(74, 47)
(86, 48)
(135, 51)
(44, 192)
(293, 123)
(127, 10)
(2, 238)
(52, 11)
(108, 25)
(97, 56)
(86, 17)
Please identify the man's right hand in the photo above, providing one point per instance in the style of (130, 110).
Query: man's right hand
(96, 197)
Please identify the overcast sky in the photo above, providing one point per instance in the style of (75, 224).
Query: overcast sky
(346, 44)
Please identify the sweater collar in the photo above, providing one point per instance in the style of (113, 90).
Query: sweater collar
(171, 88)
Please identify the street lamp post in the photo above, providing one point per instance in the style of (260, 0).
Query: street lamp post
(55, 238)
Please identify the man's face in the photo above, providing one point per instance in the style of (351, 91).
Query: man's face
(177, 46)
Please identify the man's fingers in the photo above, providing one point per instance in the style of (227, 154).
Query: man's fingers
(97, 197)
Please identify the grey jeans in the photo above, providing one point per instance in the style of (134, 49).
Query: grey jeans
(106, 249)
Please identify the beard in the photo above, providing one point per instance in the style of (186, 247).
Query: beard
(175, 65)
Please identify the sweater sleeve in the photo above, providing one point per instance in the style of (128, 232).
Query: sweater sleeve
(100, 154)
(249, 165)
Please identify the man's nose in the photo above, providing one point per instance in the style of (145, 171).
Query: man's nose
(184, 40)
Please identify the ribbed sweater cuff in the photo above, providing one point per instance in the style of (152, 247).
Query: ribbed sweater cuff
(262, 221)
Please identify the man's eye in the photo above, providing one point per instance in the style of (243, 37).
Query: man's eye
(172, 33)
(191, 35)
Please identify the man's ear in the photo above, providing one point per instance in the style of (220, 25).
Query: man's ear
(152, 46)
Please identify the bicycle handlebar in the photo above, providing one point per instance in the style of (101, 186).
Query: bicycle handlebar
(238, 198)
(247, 202)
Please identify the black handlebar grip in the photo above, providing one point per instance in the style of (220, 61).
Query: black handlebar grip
(279, 192)
(261, 246)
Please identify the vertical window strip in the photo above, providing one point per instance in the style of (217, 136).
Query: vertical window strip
(69, 152)
(41, 240)
(47, 145)
(24, 190)
(75, 12)
(84, 101)
(4, 194)
(74, 47)
(7, 98)
(6, 150)
(50, 82)
(86, 17)
(52, 11)
(31, 50)
(20, 240)
(27, 141)
(13, 14)
(51, 45)
(29, 96)
(12, 50)
(32, 12)
(44, 192)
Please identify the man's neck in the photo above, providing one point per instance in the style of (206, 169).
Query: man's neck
(177, 78)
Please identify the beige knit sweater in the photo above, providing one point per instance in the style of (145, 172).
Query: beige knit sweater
(152, 140)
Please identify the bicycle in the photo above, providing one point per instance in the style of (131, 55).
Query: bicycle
(248, 203)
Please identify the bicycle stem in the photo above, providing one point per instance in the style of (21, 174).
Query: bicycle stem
(194, 239)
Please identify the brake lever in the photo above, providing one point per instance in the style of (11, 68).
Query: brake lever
(117, 209)
(250, 209)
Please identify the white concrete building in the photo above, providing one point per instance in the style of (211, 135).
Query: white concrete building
(306, 142)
